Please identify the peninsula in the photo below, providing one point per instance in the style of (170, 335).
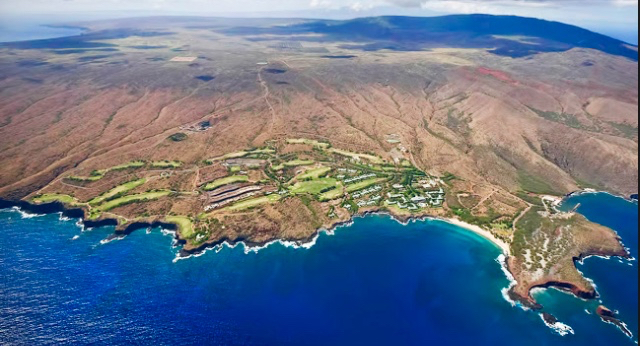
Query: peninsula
(294, 187)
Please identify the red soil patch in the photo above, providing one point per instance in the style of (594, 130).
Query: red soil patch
(500, 75)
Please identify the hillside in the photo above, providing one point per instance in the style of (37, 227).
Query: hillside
(256, 130)
(507, 35)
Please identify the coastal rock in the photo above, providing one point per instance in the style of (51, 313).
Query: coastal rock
(610, 317)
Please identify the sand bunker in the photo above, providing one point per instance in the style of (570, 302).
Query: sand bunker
(184, 58)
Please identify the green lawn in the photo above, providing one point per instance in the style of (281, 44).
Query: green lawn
(236, 155)
(331, 195)
(364, 184)
(314, 173)
(166, 164)
(313, 187)
(132, 164)
(262, 151)
(296, 163)
(147, 196)
(185, 226)
(117, 191)
(240, 154)
(54, 197)
(250, 203)
(226, 181)
(91, 178)
(99, 174)
(371, 158)
(318, 144)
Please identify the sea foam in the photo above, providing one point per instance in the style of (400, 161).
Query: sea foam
(109, 240)
(63, 218)
(502, 260)
(26, 215)
(558, 327)
(247, 249)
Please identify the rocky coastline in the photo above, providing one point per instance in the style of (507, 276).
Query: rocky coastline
(588, 293)
(79, 213)
(609, 316)
(188, 250)
(515, 293)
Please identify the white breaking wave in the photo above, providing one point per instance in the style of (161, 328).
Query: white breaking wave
(598, 256)
(502, 260)
(63, 218)
(300, 245)
(179, 258)
(558, 327)
(26, 215)
(255, 249)
(168, 232)
(109, 240)
(296, 244)
(621, 327)
(82, 227)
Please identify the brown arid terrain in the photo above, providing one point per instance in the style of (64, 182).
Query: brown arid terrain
(547, 244)
(140, 121)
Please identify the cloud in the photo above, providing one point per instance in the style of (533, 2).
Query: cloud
(525, 3)
(624, 3)
(534, 8)
(359, 6)
(355, 6)
(320, 3)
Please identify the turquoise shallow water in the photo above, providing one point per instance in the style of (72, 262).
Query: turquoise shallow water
(376, 282)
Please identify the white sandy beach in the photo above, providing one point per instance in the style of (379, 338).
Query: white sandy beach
(484, 233)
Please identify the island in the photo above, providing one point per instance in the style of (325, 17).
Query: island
(610, 317)
(293, 188)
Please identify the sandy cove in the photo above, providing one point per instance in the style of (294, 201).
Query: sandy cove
(405, 218)
(482, 232)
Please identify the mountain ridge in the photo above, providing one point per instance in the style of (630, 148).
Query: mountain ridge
(475, 30)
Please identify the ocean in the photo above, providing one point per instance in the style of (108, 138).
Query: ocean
(375, 282)
(14, 29)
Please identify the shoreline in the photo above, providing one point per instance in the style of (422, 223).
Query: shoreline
(78, 213)
(74, 212)
(311, 240)
(629, 199)
(510, 294)
(506, 249)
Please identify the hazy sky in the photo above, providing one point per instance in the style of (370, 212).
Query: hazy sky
(609, 16)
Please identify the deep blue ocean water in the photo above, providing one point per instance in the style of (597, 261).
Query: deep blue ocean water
(376, 282)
